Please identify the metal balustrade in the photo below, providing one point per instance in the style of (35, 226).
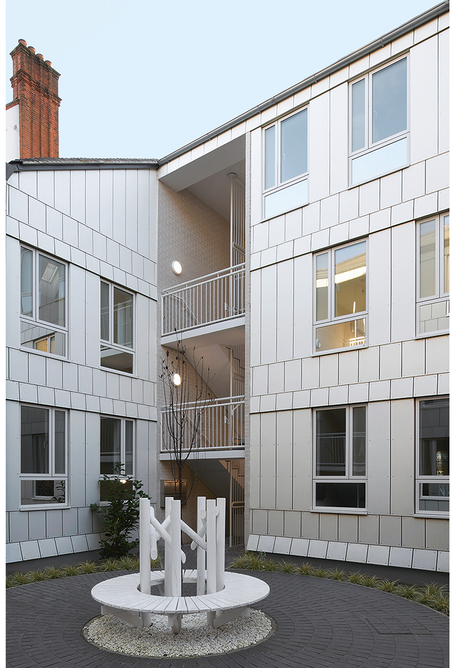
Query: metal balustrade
(205, 300)
(215, 425)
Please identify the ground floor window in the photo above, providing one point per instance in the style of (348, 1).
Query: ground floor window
(43, 456)
(433, 456)
(116, 446)
(340, 457)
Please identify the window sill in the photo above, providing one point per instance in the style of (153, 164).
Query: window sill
(432, 516)
(43, 353)
(45, 506)
(340, 511)
(428, 335)
(347, 349)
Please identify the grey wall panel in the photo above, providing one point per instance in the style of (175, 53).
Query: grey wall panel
(70, 377)
(13, 454)
(269, 302)
(46, 187)
(347, 528)
(403, 274)
(19, 527)
(402, 457)
(338, 139)
(28, 183)
(85, 520)
(54, 523)
(37, 214)
(131, 210)
(154, 309)
(423, 99)
(302, 329)
(92, 328)
(12, 295)
(437, 534)
(328, 370)
(260, 522)
(390, 530)
(18, 205)
(70, 521)
(18, 367)
(142, 335)
(144, 227)
(62, 198)
(292, 522)
(255, 455)
(275, 523)
(285, 315)
(310, 525)
(268, 461)
(437, 354)
(379, 457)
(255, 317)
(413, 532)
(119, 206)
(284, 460)
(92, 443)
(302, 458)
(369, 529)
(328, 527)
(53, 223)
(106, 202)
(142, 445)
(348, 367)
(443, 91)
(77, 314)
(37, 524)
(77, 194)
(76, 458)
(319, 146)
(379, 287)
(92, 199)
(113, 385)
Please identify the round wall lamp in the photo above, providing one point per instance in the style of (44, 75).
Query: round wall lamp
(176, 379)
(176, 267)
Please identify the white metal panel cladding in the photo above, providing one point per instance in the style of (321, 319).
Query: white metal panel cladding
(302, 486)
(402, 457)
(379, 287)
(379, 457)
(338, 140)
(284, 457)
(423, 79)
(268, 314)
(255, 455)
(285, 310)
(403, 323)
(443, 92)
(319, 147)
(77, 460)
(268, 460)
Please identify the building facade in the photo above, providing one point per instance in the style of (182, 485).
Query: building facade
(302, 252)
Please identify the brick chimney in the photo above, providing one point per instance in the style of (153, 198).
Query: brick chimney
(35, 90)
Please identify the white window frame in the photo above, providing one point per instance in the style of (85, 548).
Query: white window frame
(348, 477)
(109, 343)
(278, 183)
(440, 295)
(52, 475)
(433, 479)
(34, 319)
(370, 145)
(123, 421)
(332, 319)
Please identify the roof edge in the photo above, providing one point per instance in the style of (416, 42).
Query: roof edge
(391, 36)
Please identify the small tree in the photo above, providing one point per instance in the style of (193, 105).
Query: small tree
(121, 515)
(186, 394)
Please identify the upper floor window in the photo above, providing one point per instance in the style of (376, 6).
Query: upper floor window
(433, 456)
(43, 456)
(340, 457)
(433, 275)
(340, 297)
(43, 303)
(116, 328)
(379, 122)
(286, 164)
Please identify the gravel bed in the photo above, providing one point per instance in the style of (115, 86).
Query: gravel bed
(194, 640)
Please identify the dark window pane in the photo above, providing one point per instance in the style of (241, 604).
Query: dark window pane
(322, 287)
(115, 359)
(270, 157)
(294, 147)
(105, 311)
(110, 444)
(52, 291)
(129, 448)
(359, 438)
(122, 318)
(26, 282)
(331, 442)
(35, 492)
(59, 442)
(389, 101)
(34, 440)
(434, 437)
(340, 494)
(351, 279)
(358, 115)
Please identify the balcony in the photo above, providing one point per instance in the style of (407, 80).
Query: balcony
(208, 300)
(210, 429)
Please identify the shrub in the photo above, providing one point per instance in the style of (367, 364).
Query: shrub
(121, 516)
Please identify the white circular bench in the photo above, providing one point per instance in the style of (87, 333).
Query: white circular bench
(121, 596)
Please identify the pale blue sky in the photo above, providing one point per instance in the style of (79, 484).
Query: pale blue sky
(140, 79)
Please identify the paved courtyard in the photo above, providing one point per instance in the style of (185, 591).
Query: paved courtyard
(320, 623)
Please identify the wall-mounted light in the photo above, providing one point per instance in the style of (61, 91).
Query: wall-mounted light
(176, 379)
(176, 267)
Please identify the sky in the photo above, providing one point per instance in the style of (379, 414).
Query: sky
(140, 79)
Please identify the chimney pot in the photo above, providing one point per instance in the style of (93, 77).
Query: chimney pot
(48, 62)
(40, 55)
(22, 41)
(32, 48)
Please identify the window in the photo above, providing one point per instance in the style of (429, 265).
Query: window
(286, 164)
(43, 456)
(116, 446)
(116, 328)
(43, 307)
(340, 458)
(341, 297)
(433, 275)
(433, 456)
(379, 122)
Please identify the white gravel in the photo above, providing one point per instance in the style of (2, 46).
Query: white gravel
(195, 639)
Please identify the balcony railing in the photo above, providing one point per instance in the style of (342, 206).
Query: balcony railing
(205, 300)
(218, 425)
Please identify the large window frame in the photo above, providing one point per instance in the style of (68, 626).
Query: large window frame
(333, 478)
(43, 303)
(117, 334)
(44, 457)
(432, 456)
(377, 150)
(333, 321)
(432, 275)
(286, 163)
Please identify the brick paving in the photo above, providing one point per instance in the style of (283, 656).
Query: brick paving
(320, 624)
